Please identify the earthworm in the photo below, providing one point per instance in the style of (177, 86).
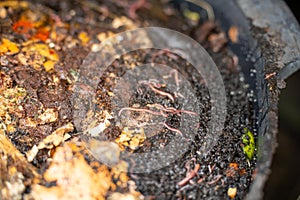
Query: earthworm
(190, 175)
(172, 129)
(158, 91)
(139, 110)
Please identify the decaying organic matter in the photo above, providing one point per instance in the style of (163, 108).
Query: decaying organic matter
(43, 154)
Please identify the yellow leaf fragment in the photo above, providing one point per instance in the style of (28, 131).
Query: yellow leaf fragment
(8, 47)
(83, 37)
(232, 192)
(14, 4)
(56, 138)
(43, 50)
(10, 128)
(194, 16)
(49, 65)
(131, 137)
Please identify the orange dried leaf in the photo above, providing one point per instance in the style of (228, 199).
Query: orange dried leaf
(233, 34)
(42, 34)
(235, 166)
(83, 37)
(232, 192)
(22, 26)
(242, 172)
(8, 47)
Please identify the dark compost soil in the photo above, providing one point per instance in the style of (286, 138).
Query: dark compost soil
(225, 168)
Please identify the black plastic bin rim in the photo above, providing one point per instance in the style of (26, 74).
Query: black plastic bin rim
(272, 33)
(271, 37)
(277, 20)
(276, 17)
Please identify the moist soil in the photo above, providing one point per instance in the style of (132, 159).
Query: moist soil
(225, 167)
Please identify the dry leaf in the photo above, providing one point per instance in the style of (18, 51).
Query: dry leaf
(123, 21)
(83, 37)
(74, 178)
(43, 50)
(232, 192)
(233, 34)
(14, 4)
(131, 137)
(57, 137)
(8, 47)
(50, 115)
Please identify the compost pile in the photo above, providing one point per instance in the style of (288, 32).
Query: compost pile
(43, 154)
